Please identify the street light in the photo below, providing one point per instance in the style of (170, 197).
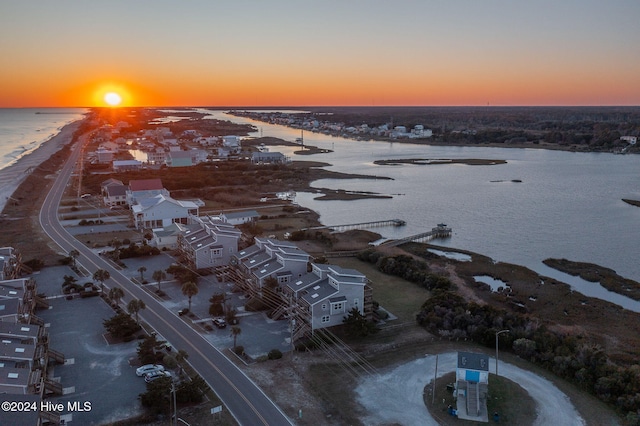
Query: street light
(497, 334)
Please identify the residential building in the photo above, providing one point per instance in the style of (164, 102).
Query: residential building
(317, 295)
(103, 155)
(238, 218)
(167, 236)
(208, 242)
(144, 188)
(268, 158)
(126, 165)
(179, 159)
(156, 156)
(161, 210)
(326, 295)
(231, 141)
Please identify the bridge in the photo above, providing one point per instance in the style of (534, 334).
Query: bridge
(362, 225)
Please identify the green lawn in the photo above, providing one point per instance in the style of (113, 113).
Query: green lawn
(399, 297)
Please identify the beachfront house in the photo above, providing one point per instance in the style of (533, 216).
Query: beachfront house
(208, 242)
(161, 210)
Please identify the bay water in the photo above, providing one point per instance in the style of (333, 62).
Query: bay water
(540, 204)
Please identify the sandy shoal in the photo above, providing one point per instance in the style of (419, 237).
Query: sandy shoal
(11, 177)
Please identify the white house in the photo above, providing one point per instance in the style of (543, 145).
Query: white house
(238, 218)
(167, 236)
(268, 158)
(231, 141)
(144, 188)
(161, 210)
(126, 165)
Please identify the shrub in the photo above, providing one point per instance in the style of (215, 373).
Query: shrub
(239, 350)
(274, 354)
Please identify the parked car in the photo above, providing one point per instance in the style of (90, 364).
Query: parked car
(149, 368)
(150, 377)
(219, 322)
(184, 311)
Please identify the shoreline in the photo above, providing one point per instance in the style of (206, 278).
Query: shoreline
(12, 176)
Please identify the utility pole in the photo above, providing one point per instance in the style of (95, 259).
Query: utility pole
(497, 334)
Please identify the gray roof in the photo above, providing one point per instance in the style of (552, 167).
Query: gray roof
(319, 292)
(473, 361)
(242, 214)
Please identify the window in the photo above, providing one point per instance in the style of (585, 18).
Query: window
(356, 301)
(337, 307)
(326, 318)
(324, 306)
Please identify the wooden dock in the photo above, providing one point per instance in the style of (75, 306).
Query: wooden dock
(440, 231)
(362, 225)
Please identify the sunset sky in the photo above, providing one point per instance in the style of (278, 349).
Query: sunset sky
(325, 52)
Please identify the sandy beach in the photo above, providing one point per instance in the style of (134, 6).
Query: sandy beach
(11, 177)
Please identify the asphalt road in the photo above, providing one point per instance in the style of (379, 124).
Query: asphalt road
(246, 402)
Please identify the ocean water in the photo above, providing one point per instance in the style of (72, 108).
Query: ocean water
(22, 130)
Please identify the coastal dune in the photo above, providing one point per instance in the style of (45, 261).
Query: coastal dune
(11, 177)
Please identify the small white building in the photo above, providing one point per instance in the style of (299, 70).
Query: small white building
(126, 165)
(238, 218)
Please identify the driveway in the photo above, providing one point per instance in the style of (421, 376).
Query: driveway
(395, 397)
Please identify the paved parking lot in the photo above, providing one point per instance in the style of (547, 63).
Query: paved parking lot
(259, 334)
(94, 371)
(103, 374)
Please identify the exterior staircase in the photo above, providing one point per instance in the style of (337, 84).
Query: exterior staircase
(51, 386)
(56, 356)
(473, 399)
(49, 417)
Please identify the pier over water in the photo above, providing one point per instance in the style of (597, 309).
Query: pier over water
(362, 225)
(440, 231)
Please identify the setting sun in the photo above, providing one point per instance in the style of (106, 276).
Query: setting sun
(112, 99)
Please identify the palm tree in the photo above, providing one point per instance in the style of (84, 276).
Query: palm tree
(142, 270)
(189, 289)
(101, 276)
(235, 331)
(115, 294)
(158, 276)
(180, 357)
(135, 306)
(73, 254)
